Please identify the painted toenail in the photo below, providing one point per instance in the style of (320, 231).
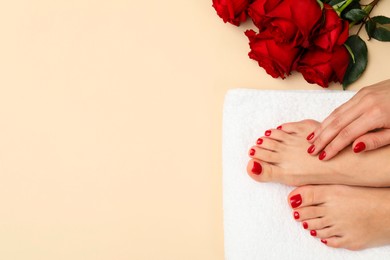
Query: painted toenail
(313, 233)
(257, 169)
(296, 215)
(279, 127)
(359, 147)
(305, 225)
(252, 152)
(322, 155)
(268, 133)
(296, 201)
(311, 148)
(259, 141)
(310, 136)
(324, 241)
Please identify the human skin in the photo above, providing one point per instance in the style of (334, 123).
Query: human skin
(357, 121)
(342, 216)
(282, 157)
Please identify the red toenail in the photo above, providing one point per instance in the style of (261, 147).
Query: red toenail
(322, 155)
(313, 233)
(279, 127)
(252, 152)
(324, 241)
(305, 225)
(296, 201)
(296, 215)
(310, 136)
(359, 147)
(257, 169)
(268, 133)
(311, 148)
(259, 141)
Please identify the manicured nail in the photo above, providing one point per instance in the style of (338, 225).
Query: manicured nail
(279, 127)
(305, 225)
(296, 215)
(296, 201)
(259, 141)
(268, 133)
(359, 147)
(310, 136)
(257, 169)
(322, 155)
(324, 241)
(313, 233)
(252, 152)
(311, 148)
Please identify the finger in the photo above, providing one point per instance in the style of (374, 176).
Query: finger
(372, 141)
(333, 129)
(348, 108)
(347, 135)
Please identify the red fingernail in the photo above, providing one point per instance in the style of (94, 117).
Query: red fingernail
(305, 225)
(268, 133)
(311, 148)
(279, 127)
(252, 152)
(257, 169)
(296, 215)
(310, 136)
(322, 155)
(313, 233)
(296, 201)
(259, 141)
(359, 147)
(324, 241)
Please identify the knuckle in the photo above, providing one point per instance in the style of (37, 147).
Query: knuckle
(345, 133)
(376, 141)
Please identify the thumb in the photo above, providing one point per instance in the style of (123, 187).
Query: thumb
(372, 141)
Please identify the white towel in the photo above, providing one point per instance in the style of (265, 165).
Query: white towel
(258, 221)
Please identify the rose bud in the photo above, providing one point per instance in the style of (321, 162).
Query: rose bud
(321, 67)
(334, 30)
(277, 59)
(289, 21)
(232, 11)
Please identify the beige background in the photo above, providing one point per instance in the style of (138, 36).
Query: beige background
(110, 118)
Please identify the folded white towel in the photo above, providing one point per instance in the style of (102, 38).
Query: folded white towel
(258, 221)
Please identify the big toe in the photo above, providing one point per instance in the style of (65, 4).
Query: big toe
(304, 127)
(264, 172)
(304, 196)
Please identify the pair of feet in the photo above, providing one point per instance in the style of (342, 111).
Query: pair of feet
(348, 207)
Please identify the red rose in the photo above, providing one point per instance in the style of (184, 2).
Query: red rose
(289, 21)
(333, 32)
(321, 67)
(277, 59)
(232, 11)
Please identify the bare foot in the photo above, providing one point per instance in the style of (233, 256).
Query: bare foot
(282, 156)
(341, 216)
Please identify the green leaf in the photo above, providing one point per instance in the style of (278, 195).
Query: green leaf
(378, 27)
(355, 15)
(357, 66)
(321, 4)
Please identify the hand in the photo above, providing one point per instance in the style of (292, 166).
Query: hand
(363, 120)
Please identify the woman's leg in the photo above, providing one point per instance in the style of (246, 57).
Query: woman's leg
(341, 216)
(282, 156)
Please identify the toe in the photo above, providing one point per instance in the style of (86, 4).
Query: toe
(264, 172)
(335, 242)
(324, 233)
(276, 134)
(316, 224)
(306, 196)
(264, 155)
(302, 127)
(310, 212)
(269, 144)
